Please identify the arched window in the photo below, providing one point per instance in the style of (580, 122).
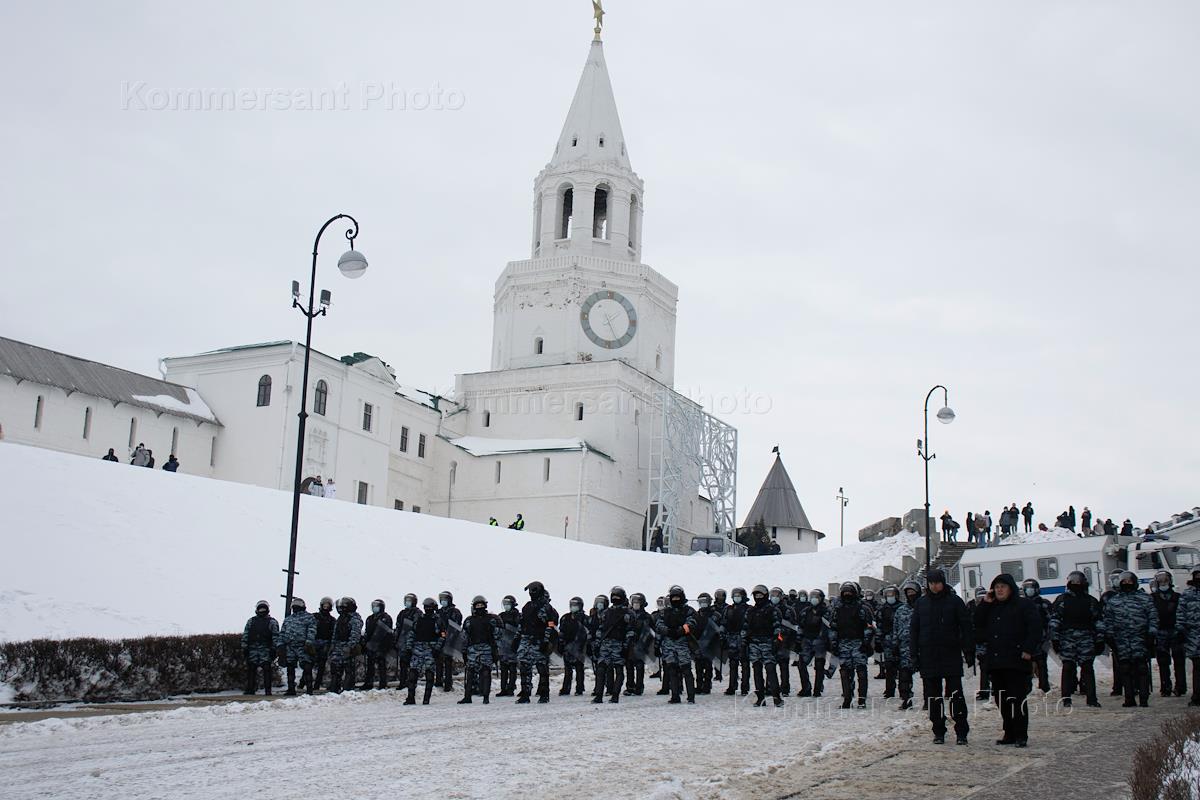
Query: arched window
(38, 410)
(658, 361)
(87, 423)
(600, 213)
(487, 419)
(174, 441)
(538, 345)
(320, 398)
(574, 141)
(132, 431)
(602, 140)
(566, 203)
(264, 391)
(579, 412)
(633, 221)
(537, 224)
(453, 472)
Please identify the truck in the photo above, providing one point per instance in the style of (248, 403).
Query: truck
(1095, 556)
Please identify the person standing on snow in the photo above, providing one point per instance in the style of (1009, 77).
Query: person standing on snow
(510, 634)
(1027, 513)
(260, 638)
(329, 490)
(850, 624)
(1077, 635)
(379, 638)
(1012, 630)
(347, 644)
(676, 625)
(449, 616)
(481, 631)
(298, 638)
(172, 464)
(110, 456)
(322, 639)
(941, 640)
(572, 638)
(814, 644)
(1187, 625)
(424, 639)
(1031, 590)
(539, 623)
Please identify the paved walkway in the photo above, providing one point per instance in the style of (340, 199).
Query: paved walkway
(1074, 754)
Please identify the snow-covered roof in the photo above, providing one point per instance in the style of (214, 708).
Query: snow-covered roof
(484, 446)
(777, 504)
(27, 362)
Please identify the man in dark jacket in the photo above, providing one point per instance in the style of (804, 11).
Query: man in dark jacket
(510, 634)
(1168, 645)
(172, 464)
(1011, 628)
(406, 618)
(572, 641)
(940, 637)
(1031, 590)
(110, 456)
(323, 639)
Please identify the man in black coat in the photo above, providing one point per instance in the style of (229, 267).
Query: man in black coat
(1010, 627)
(379, 638)
(940, 636)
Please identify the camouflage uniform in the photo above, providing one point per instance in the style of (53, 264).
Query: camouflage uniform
(482, 632)
(675, 626)
(1077, 635)
(735, 646)
(902, 652)
(814, 645)
(347, 639)
(613, 634)
(538, 623)
(422, 641)
(850, 623)
(299, 636)
(510, 621)
(764, 628)
(1187, 627)
(260, 638)
(1131, 624)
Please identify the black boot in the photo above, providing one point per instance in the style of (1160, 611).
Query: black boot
(335, 678)
(467, 682)
(745, 678)
(616, 677)
(674, 679)
(543, 683)
(689, 684)
(1088, 675)
(773, 685)
(485, 684)
(760, 690)
(251, 679)
(568, 673)
(268, 677)
(601, 677)
(818, 677)
(428, 686)
(579, 678)
(411, 700)
(847, 686)
(733, 678)
(862, 685)
(306, 679)
(291, 681)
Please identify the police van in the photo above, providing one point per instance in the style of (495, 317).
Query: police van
(1095, 556)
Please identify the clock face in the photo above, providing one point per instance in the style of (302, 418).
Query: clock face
(608, 319)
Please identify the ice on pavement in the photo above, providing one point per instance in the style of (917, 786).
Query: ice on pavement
(109, 550)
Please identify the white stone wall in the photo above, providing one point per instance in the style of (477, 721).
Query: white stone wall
(795, 540)
(62, 426)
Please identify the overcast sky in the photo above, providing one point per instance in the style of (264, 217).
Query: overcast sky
(858, 200)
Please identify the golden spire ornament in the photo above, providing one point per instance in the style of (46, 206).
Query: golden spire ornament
(598, 13)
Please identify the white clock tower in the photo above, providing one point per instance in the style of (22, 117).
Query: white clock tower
(584, 294)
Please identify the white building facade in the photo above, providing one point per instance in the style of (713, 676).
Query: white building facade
(576, 426)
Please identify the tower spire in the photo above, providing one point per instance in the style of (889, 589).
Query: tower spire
(598, 13)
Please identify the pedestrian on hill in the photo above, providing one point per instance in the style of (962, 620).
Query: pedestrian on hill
(1071, 518)
(940, 637)
(947, 526)
(1004, 521)
(1085, 519)
(1011, 629)
(172, 464)
(330, 490)
(493, 522)
(1127, 528)
(140, 456)
(972, 531)
(1110, 527)
(987, 523)
(110, 456)
(656, 540)
(150, 456)
(316, 488)
(518, 524)
(1027, 512)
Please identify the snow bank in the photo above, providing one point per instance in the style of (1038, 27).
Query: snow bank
(1037, 537)
(194, 404)
(1183, 771)
(99, 549)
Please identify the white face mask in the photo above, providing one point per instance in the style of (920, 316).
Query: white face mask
(507, 606)
(375, 609)
(814, 601)
(737, 598)
(891, 600)
(408, 603)
(704, 604)
(443, 603)
(1030, 591)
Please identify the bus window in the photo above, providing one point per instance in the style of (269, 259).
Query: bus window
(1184, 558)
(1149, 561)
(1014, 568)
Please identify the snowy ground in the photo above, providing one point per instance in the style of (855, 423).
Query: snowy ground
(368, 745)
(99, 549)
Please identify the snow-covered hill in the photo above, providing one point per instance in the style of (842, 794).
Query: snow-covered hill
(99, 549)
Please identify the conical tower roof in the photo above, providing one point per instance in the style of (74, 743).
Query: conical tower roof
(592, 130)
(777, 504)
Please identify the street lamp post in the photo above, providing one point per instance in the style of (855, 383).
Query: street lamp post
(944, 416)
(352, 264)
(843, 501)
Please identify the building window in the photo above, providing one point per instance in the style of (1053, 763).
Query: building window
(658, 361)
(132, 431)
(37, 413)
(774, 532)
(420, 445)
(579, 412)
(320, 398)
(264, 391)
(537, 225)
(363, 489)
(212, 453)
(538, 345)
(1014, 568)
(633, 221)
(416, 509)
(1047, 569)
(574, 141)
(399, 505)
(174, 441)
(566, 207)
(403, 440)
(600, 213)
(487, 419)
(546, 470)
(368, 410)
(497, 472)
(453, 472)
(87, 423)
